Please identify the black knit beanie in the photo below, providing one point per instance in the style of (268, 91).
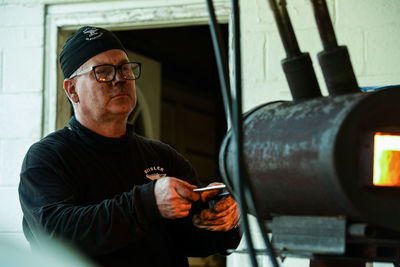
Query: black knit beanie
(84, 44)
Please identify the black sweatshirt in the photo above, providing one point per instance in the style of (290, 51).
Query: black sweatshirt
(97, 193)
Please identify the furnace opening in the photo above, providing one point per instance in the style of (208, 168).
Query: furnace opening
(386, 170)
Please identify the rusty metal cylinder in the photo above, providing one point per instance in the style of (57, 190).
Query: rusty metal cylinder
(314, 157)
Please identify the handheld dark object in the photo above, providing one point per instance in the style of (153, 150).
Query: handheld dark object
(213, 202)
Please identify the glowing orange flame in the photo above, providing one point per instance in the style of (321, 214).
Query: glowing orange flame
(386, 159)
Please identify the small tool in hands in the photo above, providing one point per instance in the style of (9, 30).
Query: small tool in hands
(202, 189)
(220, 196)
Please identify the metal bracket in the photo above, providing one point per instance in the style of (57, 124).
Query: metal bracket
(321, 235)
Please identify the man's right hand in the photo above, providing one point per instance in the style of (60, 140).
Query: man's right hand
(174, 197)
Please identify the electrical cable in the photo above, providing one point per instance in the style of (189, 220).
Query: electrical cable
(237, 134)
(222, 61)
(222, 64)
(285, 27)
(325, 27)
(238, 129)
(297, 66)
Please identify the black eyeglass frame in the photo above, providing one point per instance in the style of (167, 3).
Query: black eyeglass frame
(93, 68)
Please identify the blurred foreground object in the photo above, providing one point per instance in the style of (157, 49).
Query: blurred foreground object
(52, 254)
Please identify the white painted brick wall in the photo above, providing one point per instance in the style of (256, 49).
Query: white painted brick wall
(14, 13)
(11, 223)
(21, 74)
(22, 36)
(365, 13)
(1, 72)
(382, 52)
(12, 152)
(370, 29)
(354, 39)
(20, 115)
(375, 58)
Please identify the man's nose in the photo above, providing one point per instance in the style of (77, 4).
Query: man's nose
(118, 76)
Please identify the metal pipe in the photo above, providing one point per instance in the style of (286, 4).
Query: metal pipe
(285, 27)
(361, 230)
(240, 171)
(297, 66)
(235, 117)
(319, 151)
(334, 60)
(324, 24)
(241, 176)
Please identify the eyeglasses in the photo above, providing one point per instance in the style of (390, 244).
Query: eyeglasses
(106, 72)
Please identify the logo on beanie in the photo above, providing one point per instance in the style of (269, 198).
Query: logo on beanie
(92, 33)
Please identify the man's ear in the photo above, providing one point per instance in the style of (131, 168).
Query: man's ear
(70, 90)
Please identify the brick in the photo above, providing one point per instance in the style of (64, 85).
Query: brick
(382, 50)
(23, 70)
(263, 92)
(259, 17)
(10, 210)
(257, 13)
(378, 80)
(275, 53)
(49, 2)
(253, 56)
(20, 115)
(21, 15)
(308, 41)
(1, 70)
(354, 39)
(26, 36)
(365, 13)
(11, 155)
(1, 158)
(301, 14)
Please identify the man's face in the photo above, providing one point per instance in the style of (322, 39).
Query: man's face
(100, 102)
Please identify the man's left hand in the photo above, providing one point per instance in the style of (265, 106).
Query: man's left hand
(223, 217)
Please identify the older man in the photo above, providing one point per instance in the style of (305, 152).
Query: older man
(123, 199)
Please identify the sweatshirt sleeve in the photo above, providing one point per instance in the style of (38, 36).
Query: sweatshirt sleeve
(195, 242)
(49, 204)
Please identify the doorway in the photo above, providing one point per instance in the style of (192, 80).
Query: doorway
(192, 115)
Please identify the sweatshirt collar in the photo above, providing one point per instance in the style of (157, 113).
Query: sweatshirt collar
(96, 139)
